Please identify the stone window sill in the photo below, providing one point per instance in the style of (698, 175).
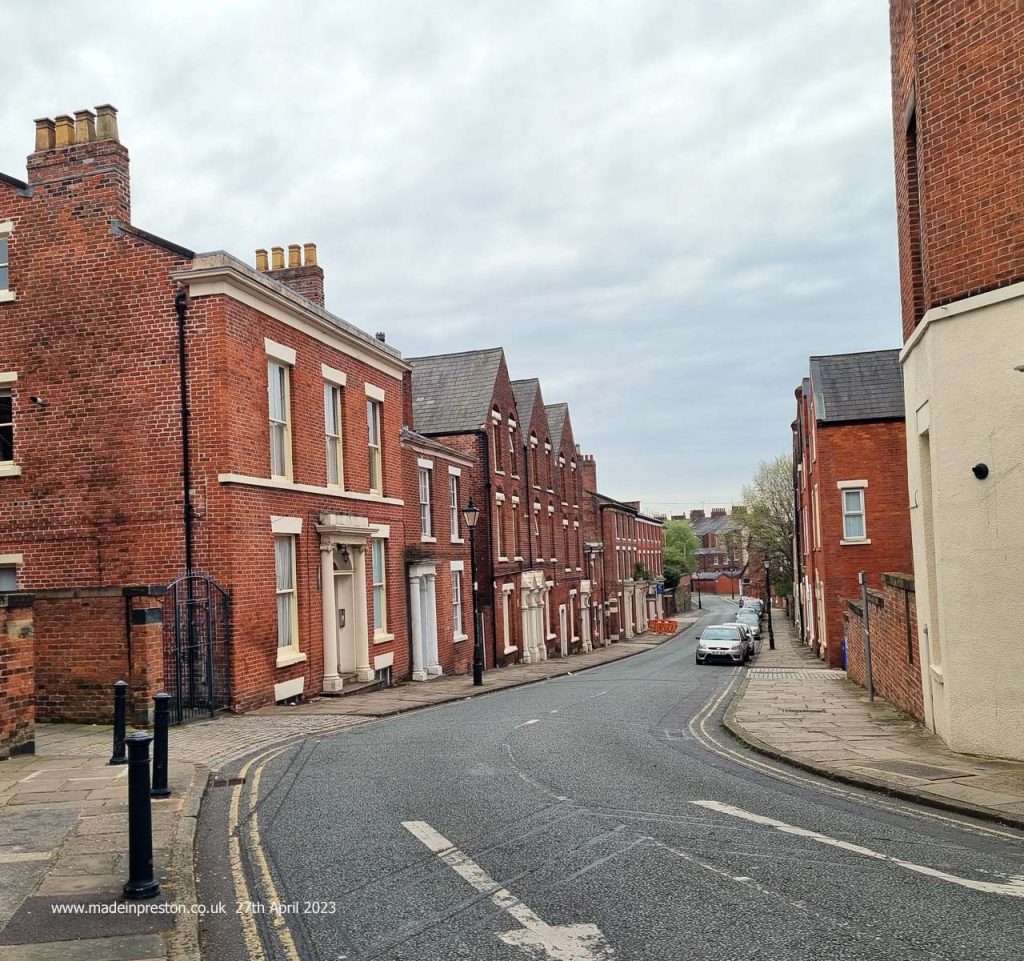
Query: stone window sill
(427, 539)
(509, 650)
(383, 638)
(10, 470)
(458, 638)
(853, 541)
(290, 657)
(6, 296)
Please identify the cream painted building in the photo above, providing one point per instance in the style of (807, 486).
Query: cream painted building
(965, 415)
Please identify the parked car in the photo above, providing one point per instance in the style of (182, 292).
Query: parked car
(753, 604)
(752, 637)
(727, 642)
(743, 616)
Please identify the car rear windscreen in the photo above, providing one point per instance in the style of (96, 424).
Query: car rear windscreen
(720, 634)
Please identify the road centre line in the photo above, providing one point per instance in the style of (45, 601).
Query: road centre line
(569, 942)
(1013, 888)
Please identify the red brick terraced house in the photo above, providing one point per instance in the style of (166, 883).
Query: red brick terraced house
(539, 518)
(619, 537)
(566, 517)
(851, 487)
(173, 412)
(437, 561)
(465, 401)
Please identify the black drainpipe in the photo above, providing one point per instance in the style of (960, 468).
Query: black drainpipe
(181, 306)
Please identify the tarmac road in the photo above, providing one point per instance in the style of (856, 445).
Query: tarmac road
(601, 815)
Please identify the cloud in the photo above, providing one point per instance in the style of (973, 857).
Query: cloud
(660, 209)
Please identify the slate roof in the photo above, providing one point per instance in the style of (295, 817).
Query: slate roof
(857, 387)
(429, 443)
(452, 392)
(526, 391)
(556, 421)
(709, 525)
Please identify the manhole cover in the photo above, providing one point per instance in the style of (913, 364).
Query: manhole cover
(913, 769)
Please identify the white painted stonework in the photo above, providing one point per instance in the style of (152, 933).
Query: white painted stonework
(532, 604)
(965, 406)
(423, 621)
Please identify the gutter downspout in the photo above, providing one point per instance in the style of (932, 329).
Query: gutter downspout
(181, 307)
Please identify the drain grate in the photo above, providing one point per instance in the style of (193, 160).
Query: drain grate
(227, 781)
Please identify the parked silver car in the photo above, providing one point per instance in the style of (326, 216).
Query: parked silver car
(753, 637)
(744, 616)
(725, 642)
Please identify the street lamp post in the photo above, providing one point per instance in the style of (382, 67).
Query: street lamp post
(471, 514)
(696, 580)
(768, 601)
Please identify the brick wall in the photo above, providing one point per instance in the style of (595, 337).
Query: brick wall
(17, 682)
(875, 452)
(895, 661)
(961, 60)
(455, 656)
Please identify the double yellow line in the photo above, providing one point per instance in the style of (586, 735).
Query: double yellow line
(266, 886)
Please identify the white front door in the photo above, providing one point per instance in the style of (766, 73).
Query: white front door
(423, 617)
(563, 627)
(344, 618)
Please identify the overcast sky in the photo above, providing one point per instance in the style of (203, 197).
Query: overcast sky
(659, 207)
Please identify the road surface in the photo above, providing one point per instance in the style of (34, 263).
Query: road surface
(597, 816)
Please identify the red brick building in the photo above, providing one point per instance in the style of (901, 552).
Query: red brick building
(173, 412)
(525, 480)
(437, 562)
(850, 470)
(628, 547)
(958, 131)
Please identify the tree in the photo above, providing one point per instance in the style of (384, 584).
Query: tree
(769, 503)
(680, 552)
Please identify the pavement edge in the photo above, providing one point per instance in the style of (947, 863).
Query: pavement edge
(183, 938)
(880, 785)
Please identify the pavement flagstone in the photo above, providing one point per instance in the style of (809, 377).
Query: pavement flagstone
(795, 708)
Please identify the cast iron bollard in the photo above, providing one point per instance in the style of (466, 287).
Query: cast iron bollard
(161, 722)
(141, 883)
(120, 711)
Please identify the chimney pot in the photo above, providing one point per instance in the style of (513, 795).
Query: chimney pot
(294, 255)
(277, 258)
(380, 336)
(309, 254)
(85, 126)
(65, 130)
(262, 264)
(45, 134)
(106, 122)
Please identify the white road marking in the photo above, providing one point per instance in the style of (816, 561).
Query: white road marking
(1013, 889)
(566, 942)
(536, 720)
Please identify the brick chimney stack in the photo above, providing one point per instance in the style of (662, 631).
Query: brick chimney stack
(718, 512)
(80, 162)
(696, 515)
(303, 274)
(588, 468)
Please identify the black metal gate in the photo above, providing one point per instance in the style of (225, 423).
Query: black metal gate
(197, 647)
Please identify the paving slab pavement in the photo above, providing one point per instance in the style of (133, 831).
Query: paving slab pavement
(795, 708)
(64, 813)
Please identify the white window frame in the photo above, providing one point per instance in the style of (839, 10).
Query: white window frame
(516, 555)
(380, 600)
(374, 441)
(11, 562)
(861, 538)
(454, 507)
(425, 478)
(499, 509)
(334, 403)
(6, 228)
(5, 231)
(275, 364)
(287, 653)
(9, 468)
(458, 609)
